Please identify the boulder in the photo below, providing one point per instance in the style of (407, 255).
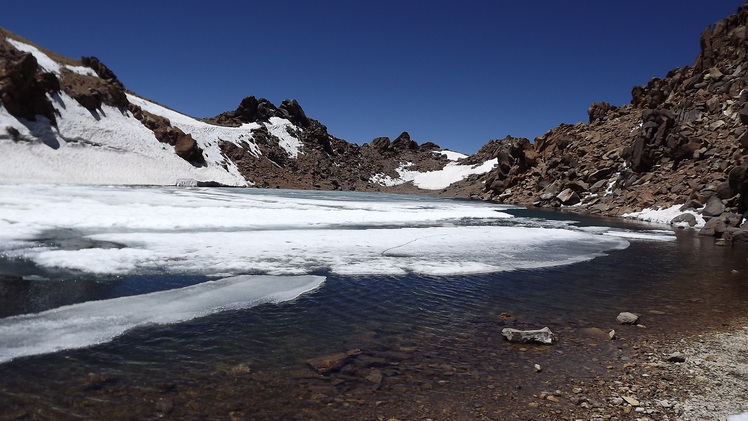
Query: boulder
(714, 207)
(597, 111)
(713, 227)
(676, 357)
(543, 336)
(292, 111)
(568, 197)
(626, 318)
(740, 238)
(684, 218)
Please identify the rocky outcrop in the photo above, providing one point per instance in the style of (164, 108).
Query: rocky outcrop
(252, 110)
(23, 86)
(184, 145)
(25, 91)
(682, 140)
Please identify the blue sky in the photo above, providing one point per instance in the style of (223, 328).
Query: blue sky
(457, 74)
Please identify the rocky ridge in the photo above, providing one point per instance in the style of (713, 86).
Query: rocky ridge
(682, 140)
(30, 91)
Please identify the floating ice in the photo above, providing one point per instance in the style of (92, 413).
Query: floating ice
(94, 322)
(119, 231)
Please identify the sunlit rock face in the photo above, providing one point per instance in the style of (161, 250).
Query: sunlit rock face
(675, 144)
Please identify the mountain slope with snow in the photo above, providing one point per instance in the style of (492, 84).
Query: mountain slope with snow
(73, 122)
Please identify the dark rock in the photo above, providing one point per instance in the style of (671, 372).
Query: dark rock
(714, 207)
(403, 141)
(568, 197)
(101, 70)
(713, 227)
(598, 111)
(676, 357)
(293, 112)
(13, 133)
(687, 218)
(382, 144)
(22, 93)
(740, 238)
(743, 114)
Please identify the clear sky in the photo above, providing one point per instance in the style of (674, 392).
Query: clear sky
(455, 73)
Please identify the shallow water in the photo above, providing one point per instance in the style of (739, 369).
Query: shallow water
(429, 339)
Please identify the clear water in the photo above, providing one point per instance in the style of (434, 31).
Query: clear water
(554, 269)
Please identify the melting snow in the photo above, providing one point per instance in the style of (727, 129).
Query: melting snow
(664, 216)
(434, 180)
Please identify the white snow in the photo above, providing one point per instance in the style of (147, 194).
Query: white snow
(108, 146)
(739, 417)
(279, 128)
(44, 60)
(95, 322)
(81, 70)
(434, 180)
(233, 231)
(664, 216)
(452, 155)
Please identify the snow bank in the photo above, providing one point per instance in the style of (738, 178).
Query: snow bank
(107, 146)
(664, 216)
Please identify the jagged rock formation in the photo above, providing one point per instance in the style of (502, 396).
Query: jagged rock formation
(683, 140)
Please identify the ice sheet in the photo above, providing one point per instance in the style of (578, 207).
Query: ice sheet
(117, 231)
(94, 322)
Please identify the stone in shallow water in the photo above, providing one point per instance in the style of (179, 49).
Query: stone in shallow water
(326, 364)
(626, 318)
(543, 336)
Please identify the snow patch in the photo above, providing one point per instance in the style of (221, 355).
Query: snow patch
(664, 216)
(279, 128)
(45, 62)
(451, 155)
(82, 70)
(433, 180)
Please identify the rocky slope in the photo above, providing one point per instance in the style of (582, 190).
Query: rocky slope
(70, 121)
(683, 140)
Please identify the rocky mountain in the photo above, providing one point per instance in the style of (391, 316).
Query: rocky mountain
(73, 121)
(681, 141)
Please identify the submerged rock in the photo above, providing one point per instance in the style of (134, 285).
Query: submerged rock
(544, 335)
(333, 362)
